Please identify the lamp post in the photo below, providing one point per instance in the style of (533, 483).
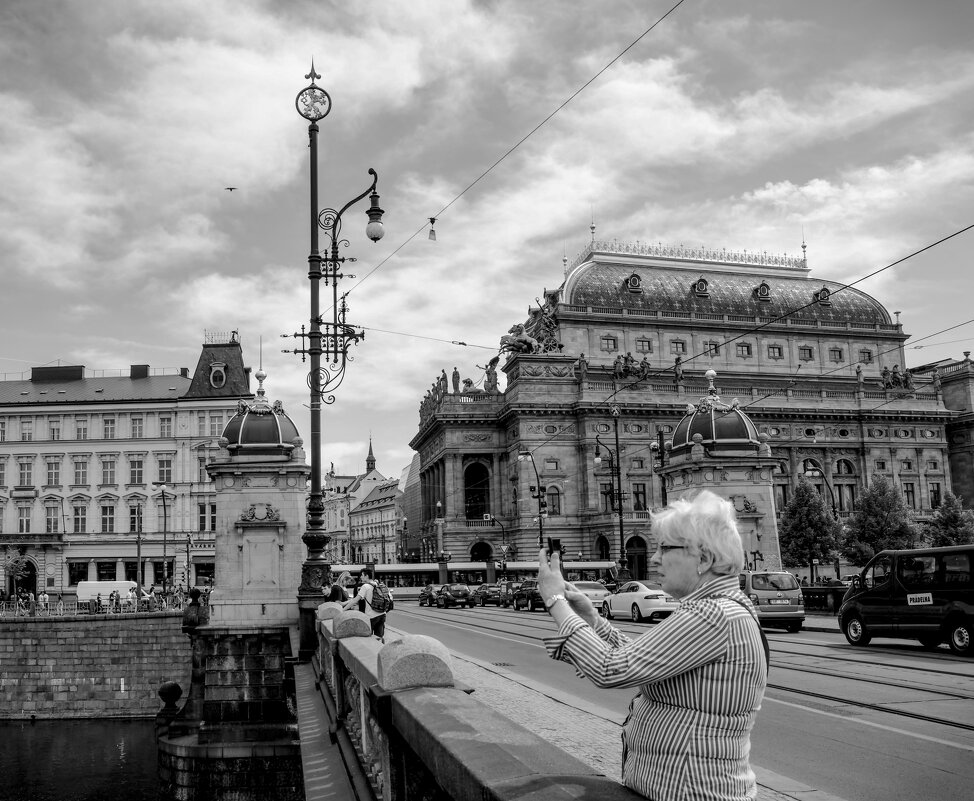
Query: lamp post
(138, 550)
(189, 542)
(659, 447)
(329, 339)
(537, 492)
(165, 535)
(817, 473)
(624, 574)
(439, 529)
(495, 522)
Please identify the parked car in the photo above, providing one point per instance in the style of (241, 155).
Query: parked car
(593, 590)
(528, 597)
(508, 588)
(454, 595)
(639, 601)
(427, 596)
(777, 598)
(487, 594)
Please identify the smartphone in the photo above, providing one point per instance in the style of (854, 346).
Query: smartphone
(554, 544)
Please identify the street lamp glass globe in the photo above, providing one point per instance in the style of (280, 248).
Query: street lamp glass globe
(375, 230)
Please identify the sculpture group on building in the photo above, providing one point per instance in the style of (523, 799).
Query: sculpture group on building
(894, 379)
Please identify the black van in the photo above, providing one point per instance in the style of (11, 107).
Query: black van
(926, 594)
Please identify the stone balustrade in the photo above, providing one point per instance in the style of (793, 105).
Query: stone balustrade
(402, 720)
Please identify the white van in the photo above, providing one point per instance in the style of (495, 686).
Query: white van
(90, 590)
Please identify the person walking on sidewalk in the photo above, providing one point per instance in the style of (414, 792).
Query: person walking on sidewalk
(701, 672)
(363, 598)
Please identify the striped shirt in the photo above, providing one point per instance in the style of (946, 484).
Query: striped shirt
(701, 674)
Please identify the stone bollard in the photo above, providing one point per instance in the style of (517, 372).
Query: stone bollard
(414, 661)
(351, 624)
(329, 610)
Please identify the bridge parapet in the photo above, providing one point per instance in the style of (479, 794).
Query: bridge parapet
(402, 720)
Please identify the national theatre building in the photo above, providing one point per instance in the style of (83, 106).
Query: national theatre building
(600, 376)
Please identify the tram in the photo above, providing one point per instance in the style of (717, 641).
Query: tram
(408, 578)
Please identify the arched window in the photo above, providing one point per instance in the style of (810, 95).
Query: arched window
(476, 491)
(554, 501)
(481, 552)
(843, 467)
(602, 547)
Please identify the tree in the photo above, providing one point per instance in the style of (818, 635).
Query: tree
(952, 524)
(808, 530)
(881, 521)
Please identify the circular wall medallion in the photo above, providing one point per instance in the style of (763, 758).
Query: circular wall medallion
(843, 432)
(635, 428)
(228, 481)
(292, 482)
(877, 432)
(929, 433)
(551, 429)
(904, 433)
(602, 428)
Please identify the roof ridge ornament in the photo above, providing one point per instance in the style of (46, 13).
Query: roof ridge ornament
(713, 403)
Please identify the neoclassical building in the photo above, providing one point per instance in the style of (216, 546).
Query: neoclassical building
(621, 348)
(85, 455)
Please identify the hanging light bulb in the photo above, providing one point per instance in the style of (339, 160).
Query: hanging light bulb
(432, 230)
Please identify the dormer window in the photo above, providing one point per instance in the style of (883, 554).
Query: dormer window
(701, 288)
(634, 284)
(764, 291)
(824, 296)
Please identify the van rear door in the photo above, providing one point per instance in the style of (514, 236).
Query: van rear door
(920, 598)
(876, 604)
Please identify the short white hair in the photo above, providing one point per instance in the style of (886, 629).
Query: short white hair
(705, 523)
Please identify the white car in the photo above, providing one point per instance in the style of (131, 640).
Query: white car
(639, 601)
(592, 590)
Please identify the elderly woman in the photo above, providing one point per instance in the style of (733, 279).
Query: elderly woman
(701, 672)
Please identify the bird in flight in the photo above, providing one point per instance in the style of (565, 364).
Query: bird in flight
(229, 188)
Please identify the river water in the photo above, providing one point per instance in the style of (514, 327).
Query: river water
(78, 760)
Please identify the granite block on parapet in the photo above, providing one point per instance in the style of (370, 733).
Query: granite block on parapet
(329, 610)
(414, 661)
(352, 624)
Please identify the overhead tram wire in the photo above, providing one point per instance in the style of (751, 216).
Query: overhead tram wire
(432, 339)
(520, 142)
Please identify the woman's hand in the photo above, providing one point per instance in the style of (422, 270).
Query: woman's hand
(550, 580)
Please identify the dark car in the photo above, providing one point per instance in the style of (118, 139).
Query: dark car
(487, 594)
(427, 596)
(454, 595)
(507, 590)
(527, 596)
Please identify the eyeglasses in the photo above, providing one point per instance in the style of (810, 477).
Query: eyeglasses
(665, 548)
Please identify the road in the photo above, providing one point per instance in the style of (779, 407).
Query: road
(834, 717)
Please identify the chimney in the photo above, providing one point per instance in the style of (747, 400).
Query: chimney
(139, 371)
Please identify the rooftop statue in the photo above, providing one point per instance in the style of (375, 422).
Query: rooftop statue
(516, 340)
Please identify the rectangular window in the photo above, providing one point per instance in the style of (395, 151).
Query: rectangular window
(780, 497)
(550, 464)
(135, 472)
(26, 429)
(933, 465)
(553, 501)
(79, 515)
(54, 473)
(135, 518)
(3, 481)
(165, 470)
(105, 571)
(744, 350)
(639, 497)
(108, 471)
(216, 425)
(644, 346)
(3, 430)
(108, 428)
(81, 472)
(835, 354)
(909, 492)
(713, 348)
(81, 428)
(165, 426)
(609, 343)
(77, 571)
(638, 464)
(608, 497)
(908, 465)
(775, 352)
(880, 464)
(204, 477)
(866, 356)
(678, 346)
(137, 428)
(935, 497)
(52, 519)
(846, 496)
(203, 517)
(201, 424)
(805, 353)
(108, 519)
(25, 473)
(23, 519)
(54, 427)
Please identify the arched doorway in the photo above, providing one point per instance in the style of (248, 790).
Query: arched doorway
(481, 552)
(476, 491)
(21, 575)
(636, 554)
(602, 548)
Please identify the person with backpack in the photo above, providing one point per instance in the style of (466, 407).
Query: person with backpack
(373, 599)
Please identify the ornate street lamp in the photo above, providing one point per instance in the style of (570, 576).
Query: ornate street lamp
(538, 492)
(329, 339)
(165, 535)
(624, 574)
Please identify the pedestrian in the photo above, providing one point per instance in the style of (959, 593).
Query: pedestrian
(701, 672)
(60, 605)
(363, 598)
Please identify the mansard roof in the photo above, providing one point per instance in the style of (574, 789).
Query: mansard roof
(698, 281)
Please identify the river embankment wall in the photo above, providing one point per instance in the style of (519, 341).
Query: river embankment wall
(90, 666)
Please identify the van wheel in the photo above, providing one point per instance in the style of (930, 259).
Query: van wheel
(637, 616)
(855, 631)
(961, 637)
(794, 628)
(931, 641)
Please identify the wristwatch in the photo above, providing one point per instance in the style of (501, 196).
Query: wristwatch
(553, 600)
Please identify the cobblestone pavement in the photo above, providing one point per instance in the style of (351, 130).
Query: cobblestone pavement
(587, 735)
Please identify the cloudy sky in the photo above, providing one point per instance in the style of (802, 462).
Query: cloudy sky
(732, 124)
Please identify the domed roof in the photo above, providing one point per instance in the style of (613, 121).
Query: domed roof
(652, 288)
(721, 426)
(260, 427)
